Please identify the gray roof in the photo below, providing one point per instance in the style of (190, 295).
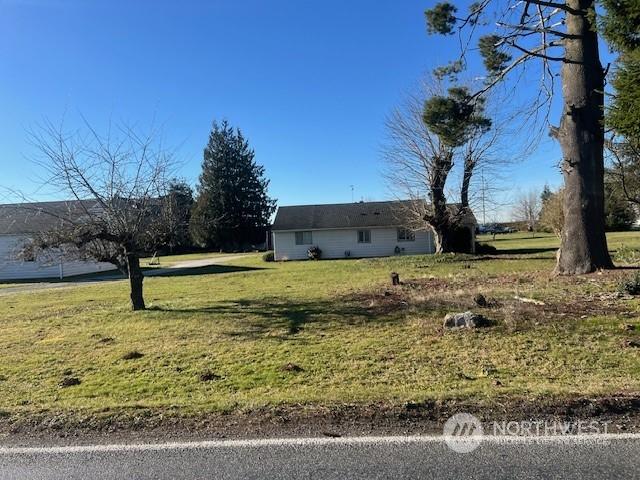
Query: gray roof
(341, 215)
(30, 218)
(345, 215)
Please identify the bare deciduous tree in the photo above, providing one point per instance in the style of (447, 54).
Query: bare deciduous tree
(420, 160)
(119, 182)
(624, 160)
(552, 214)
(527, 209)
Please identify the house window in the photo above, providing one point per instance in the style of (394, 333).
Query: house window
(406, 235)
(304, 238)
(364, 236)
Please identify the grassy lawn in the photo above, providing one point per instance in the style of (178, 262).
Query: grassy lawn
(222, 340)
(548, 243)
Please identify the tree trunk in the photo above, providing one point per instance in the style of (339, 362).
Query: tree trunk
(135, 282)
(444, 237)
(440, 219)
(581, 136)
(469, 165)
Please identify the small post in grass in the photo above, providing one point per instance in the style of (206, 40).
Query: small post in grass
(395, 278)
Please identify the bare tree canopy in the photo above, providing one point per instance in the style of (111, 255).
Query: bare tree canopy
(624, 167)
(430, 133)
(120, 182)
(527, 209)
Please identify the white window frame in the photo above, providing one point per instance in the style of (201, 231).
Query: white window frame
(365, 237)
(300, 237)
(406, 235)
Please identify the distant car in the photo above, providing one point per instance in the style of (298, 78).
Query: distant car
(494, 228)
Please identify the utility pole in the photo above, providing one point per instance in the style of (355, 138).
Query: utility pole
(351, 193)
(484, 212)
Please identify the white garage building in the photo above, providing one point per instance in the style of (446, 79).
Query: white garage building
(364, 229)
(19, 222)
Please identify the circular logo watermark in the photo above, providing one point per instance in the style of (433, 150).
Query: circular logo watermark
(463, 433)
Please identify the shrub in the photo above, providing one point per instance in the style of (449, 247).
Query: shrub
(630, 285)
(314, 253)
(483, 249)
(268, 257)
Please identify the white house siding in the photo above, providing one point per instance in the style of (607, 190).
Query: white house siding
(12, 269)
(334, 243)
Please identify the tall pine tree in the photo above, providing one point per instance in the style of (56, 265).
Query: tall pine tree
(232, 209)
(620, 26)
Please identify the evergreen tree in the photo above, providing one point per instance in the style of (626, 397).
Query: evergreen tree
(546, 193)
(620, 26)
(179, 202)
(233, 209)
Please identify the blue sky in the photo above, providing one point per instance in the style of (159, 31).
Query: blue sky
(309, 83)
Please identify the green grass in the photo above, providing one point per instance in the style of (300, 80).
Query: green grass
(244, 321)
(548, 243)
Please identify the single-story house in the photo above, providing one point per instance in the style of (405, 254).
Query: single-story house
(20, 222)
(362, 229)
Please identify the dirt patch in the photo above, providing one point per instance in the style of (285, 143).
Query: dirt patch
(209, 376)
(500, 302)
(69, 382)
(133, 355)
(622, 414)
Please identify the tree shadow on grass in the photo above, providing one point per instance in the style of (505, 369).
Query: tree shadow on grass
(525, 251)
(501, 238)
(260, 318)
(206, 270)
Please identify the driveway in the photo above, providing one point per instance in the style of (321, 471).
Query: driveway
(186, 265)
(178, 267)
(355, 458)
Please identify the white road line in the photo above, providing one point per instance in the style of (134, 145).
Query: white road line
(301, 442)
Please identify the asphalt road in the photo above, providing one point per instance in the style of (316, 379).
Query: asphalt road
(343, 458)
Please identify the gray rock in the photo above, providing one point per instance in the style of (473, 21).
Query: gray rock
(465, 320)
(480, 300)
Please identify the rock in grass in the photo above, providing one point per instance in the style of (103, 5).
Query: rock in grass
(627, 343)
(292, 367)
(480, 300)
(69, 382)
(465, 320)
(132, 355)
